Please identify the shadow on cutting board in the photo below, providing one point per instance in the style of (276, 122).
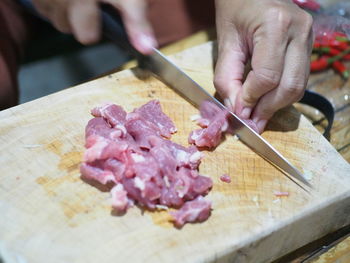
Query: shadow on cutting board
(284, 120)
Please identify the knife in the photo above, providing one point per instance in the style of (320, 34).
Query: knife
(174, 77)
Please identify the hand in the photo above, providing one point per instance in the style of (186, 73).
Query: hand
(82, 18)
(277, 36)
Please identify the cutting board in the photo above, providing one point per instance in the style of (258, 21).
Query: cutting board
(48, 214)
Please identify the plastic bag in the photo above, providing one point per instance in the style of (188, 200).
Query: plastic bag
(328, 18)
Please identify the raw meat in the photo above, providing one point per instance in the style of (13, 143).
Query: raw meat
(280, 194)
(197, 210)
(132, 154)
(225, 178)
(214, 123)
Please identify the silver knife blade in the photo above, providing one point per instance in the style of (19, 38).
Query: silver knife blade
(178, 80)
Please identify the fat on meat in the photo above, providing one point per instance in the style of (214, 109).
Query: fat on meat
(132, 152)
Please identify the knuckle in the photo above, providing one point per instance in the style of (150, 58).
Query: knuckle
(249, 97)
(280, 17)
(294, 90)
(267, 77)
(305, 29)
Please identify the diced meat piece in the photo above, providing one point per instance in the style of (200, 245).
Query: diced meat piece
(186, 157)
(197, 210)
(166, 161)
(91, 172)
(209, 110)
(101, 148)
(140, 131)
(225, 178)
(209, 137)
(119, 198)
(153, 113)
(280, 194)
(98, 126)
(116, 167)
(135, 193)
(170, 198)
(215, 123)
(204, 123)
(182, 182)
(202, 184)
(112, 113)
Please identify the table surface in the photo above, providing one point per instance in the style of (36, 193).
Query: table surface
(337, 247)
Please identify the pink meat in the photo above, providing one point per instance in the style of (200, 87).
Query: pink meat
(225, 178)
(97, 173)
(131, 152)
(141, 131)
(119, 198)
(213, 122)
(197, 210)
(152, 112)
(100, 148)
(112, 113)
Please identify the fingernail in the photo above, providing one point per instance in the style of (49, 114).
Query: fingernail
(260, 125)
(245, 113)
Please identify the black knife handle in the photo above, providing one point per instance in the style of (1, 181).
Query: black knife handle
(319, 102)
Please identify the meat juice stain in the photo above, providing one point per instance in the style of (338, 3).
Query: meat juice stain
(69, 164)
(161, 218)
(55, 147)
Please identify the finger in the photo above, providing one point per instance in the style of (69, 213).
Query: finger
(292, 85)
(229, 69)
(58, 16)
(137, 25)
(267, 64)
(85, 21)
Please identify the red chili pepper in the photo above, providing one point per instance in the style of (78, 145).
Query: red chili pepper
(319, 64)
(338, 44)
(327, 50)
(346, 57)
(317, 44)
(323, 62)
(308, 4)
(340, 36)
(341, 69)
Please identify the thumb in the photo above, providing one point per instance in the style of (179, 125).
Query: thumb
(137, 25)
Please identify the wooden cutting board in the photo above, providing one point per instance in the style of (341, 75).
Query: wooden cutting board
(48, 214)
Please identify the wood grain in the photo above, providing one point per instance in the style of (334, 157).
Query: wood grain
(49, 212)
